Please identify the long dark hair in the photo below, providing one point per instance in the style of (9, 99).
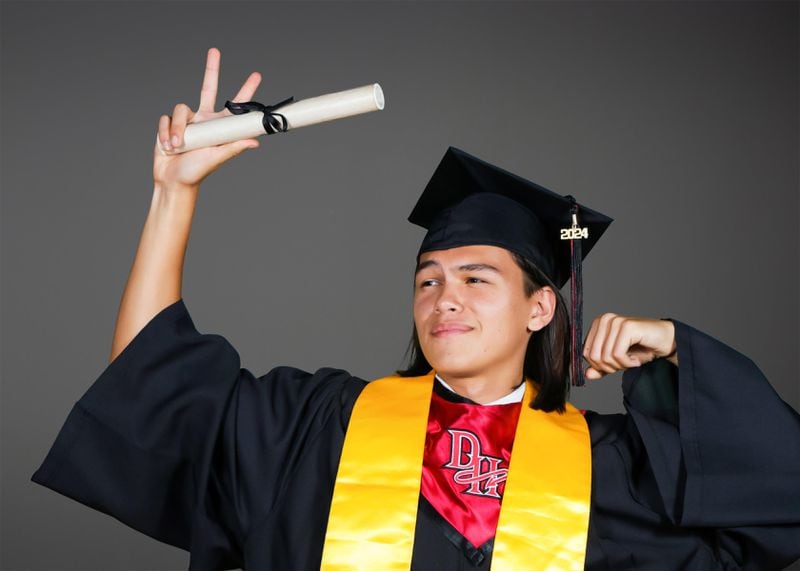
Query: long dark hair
(547, 356)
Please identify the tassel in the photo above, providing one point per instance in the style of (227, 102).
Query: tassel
(576, 296)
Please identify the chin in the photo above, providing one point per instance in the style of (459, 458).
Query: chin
(454, 367)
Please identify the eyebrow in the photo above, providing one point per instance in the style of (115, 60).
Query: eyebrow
(476, 267)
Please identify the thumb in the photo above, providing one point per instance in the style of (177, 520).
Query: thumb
(639, 355)
(593, 374)
(230, 150)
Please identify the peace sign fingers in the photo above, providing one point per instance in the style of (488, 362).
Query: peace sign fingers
(208, 93)
(248, 88)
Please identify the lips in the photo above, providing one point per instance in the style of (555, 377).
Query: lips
(451, 328)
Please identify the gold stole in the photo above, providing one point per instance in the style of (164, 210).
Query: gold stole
(544, 515)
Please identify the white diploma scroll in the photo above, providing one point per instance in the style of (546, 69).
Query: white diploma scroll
(297, 114)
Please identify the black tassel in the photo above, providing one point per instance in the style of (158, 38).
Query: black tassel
(576, 299)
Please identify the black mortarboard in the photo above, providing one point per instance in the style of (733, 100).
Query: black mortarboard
(471, 202)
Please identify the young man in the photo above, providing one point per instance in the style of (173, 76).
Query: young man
(472, 460)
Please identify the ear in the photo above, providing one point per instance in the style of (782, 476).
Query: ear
(543, 308)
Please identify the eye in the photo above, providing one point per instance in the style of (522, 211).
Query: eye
(428, 283)
(474, 280)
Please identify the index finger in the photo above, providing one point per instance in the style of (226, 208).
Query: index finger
(208, 93)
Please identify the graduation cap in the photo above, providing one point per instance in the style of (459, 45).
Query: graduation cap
(471, 202)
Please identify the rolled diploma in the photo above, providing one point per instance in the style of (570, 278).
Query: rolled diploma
(298, 114)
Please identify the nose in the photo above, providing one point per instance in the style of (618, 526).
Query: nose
(448, 301)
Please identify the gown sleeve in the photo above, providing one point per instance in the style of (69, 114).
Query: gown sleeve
(723, 447)
(177, 441)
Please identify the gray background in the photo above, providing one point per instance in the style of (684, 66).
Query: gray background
(680, 120)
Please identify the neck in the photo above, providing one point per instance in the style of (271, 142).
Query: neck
(481, 390)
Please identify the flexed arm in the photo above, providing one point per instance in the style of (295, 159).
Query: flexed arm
(155, 278)
(707, 444)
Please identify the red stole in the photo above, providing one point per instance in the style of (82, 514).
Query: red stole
(465, 463)
(545, 508)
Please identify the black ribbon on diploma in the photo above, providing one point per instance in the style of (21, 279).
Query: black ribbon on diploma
(273, 122)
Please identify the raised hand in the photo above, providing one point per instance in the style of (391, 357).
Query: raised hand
(616, 342)
(190, 168)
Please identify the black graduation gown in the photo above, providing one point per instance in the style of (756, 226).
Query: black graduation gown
(177, 441)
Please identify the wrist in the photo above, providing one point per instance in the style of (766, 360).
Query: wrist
(670, 352)
(174, 188)
(173, 202)
(174, 195)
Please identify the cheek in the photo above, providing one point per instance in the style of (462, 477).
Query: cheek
(491, 305)
(422, 307)
(506, 316)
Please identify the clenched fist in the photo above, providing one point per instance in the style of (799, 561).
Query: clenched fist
(617, 342)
